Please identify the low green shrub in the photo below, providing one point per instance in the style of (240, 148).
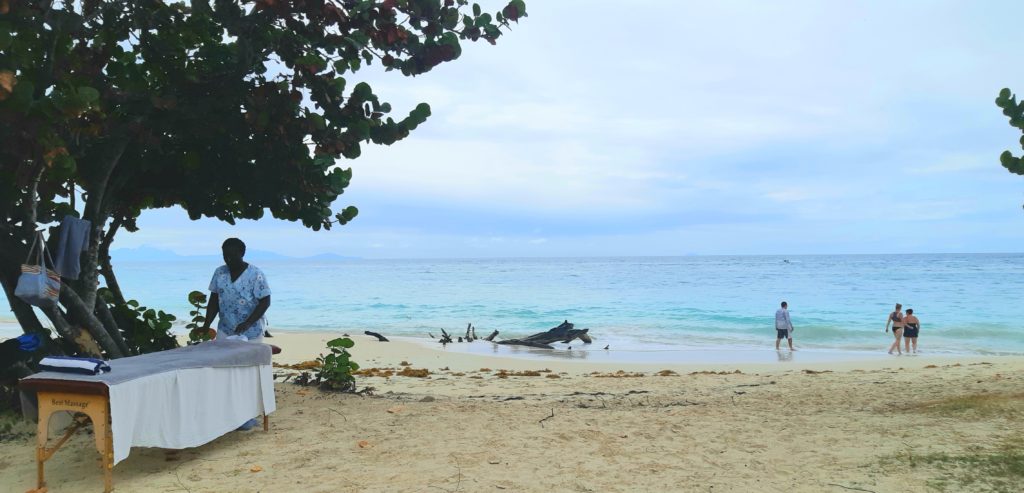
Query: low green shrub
(145, 330)
(198, 301)
(336, 368)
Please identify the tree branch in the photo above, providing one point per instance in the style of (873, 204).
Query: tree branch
(102, 312)
(80, 313)
(73, 335)
(106, 268)
(95, 211)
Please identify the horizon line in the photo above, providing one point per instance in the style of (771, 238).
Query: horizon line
(522, 257)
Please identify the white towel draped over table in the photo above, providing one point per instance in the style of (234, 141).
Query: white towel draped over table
(182, 397)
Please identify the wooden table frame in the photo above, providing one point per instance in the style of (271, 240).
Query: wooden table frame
(89, 398)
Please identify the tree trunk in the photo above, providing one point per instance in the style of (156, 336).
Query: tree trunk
(106, 269)
(81, 300)
(80, 313)
(89, 280)
(74, 336)
(107, 318)
(32, 204)
(97, 208)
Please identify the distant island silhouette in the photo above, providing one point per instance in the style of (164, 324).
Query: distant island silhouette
(147, 253)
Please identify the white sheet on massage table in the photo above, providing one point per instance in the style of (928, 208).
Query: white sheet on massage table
(188, 407)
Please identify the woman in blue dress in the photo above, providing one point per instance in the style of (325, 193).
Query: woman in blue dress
(239, 295)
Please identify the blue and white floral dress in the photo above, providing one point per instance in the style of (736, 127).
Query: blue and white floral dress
(238, 299)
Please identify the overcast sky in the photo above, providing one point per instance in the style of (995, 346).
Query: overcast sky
(672, 128)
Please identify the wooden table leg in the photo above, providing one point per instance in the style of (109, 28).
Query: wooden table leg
(108, 462)
(104, 443)
(266, 423)
(40, 460)
(42, 436)
(97, 408)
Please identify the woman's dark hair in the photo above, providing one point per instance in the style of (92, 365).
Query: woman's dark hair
(898, 306)
(233, 243)
(910, 311)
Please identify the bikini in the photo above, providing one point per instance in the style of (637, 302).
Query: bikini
(896, 317)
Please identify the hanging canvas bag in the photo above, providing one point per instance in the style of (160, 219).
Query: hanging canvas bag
(38, 285)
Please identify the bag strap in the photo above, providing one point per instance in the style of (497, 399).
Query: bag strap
(35, 240)
(42, 254)
(45, 251)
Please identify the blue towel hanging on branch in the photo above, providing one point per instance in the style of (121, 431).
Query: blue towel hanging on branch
(73, 240)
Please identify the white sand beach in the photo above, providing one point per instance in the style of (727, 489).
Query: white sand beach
(582, 424)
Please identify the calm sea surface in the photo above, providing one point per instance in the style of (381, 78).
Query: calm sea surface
(966, 303)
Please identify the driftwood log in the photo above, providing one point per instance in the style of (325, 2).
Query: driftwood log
(563, 333)
(379, 337)
(446, 338)
(492, 336)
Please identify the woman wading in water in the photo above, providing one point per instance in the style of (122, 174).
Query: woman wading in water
(896, 319)
(911, 327)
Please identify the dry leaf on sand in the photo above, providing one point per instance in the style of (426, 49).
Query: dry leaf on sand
(395, 409)
(255, 469)
(363, 444)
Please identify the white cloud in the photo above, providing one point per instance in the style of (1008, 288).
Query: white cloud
(564, 176)
(955, 163)
(849, 120)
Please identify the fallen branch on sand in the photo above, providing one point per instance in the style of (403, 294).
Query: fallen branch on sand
(379, 337)
(851, 487)
(563, 333)
(547, 418)
(446, 338)
(339, 413)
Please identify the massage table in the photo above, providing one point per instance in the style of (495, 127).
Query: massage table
(174, 399)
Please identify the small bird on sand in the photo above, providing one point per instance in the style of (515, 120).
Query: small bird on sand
(606, 347)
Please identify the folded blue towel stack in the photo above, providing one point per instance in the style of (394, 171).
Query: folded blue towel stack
(68, 364)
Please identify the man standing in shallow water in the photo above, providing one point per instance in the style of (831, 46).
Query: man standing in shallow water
(783, 326)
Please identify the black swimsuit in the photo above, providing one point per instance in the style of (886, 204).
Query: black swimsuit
(910, 330)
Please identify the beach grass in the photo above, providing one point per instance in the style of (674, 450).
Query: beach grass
(13, 428)
(989, 405)
(999, 469)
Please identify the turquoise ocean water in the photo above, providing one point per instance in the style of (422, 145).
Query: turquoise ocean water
(967, 303)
